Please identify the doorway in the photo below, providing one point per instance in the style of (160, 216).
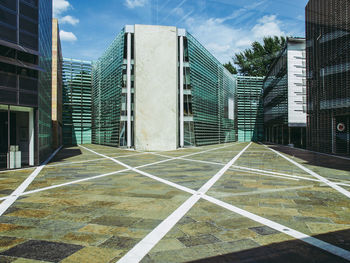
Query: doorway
(342, 135)
(16, 137)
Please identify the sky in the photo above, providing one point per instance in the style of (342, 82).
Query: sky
(224, 27)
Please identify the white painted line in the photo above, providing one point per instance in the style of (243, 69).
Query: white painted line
(141, 172)
(322, 179)
(266, 191)
(216, 177)
(93, 160)
(16, 170)
(113, 173)
(237, 169)
(284, 229)
(326, 154)
(73, 182)
(274, 173)
(20, 189)
(141, 249)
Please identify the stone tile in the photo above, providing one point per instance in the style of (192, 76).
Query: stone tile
(115, 221)
(42, 250)
(117, 242)
(264, 230)
(198, 240)
(8, 242)
(93, 255)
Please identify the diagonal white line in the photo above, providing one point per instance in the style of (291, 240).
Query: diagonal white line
(284, 229)
(112, 173)
(20, 189)
(142, 248)
(319, 177)
(170, 222)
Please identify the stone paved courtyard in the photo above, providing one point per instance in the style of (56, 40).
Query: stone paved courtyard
(239, 202)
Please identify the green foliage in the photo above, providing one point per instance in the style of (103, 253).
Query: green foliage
(231, 68)
(257, 60)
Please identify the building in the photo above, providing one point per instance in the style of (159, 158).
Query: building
(57, 61)
(25, 82)
(250, 113)
(284, 96)
(158, 88)
(76, 116)
(328, 72)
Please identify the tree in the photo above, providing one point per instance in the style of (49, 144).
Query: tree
(230, 68)
(257, 60)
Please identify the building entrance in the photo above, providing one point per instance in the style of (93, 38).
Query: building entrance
(342, 135)
(16, 137)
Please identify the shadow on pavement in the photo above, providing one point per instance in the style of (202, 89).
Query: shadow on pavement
(294, 251)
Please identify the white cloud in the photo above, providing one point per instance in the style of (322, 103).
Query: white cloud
(267, 26)
(67, 36)
(135, 3)
(60, 6)
(69, 20)
(223, 40)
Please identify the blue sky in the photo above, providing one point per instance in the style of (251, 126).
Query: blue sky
(224, 27)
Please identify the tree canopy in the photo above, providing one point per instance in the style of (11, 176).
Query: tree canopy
(257, 60)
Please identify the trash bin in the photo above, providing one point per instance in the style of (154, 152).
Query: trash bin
(14, 158)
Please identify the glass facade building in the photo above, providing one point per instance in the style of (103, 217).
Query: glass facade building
(209, 91)
(76, 99)
(328, 76)
(25, 82)
(109, 95)
(284, 96)
(210, 98)
(250, 113)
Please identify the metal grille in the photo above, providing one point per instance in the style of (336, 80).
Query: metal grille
(328, 75)
(107, 94)
(250, 113)
(76, 99)
(212, 87)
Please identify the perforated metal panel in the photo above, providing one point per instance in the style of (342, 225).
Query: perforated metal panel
(328, 74)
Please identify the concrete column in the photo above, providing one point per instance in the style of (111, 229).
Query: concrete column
(128, 84)
(181, 72)
(31, 137)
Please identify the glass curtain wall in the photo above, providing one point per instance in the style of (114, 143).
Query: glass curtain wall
(76, 97)
(213, 97)
(250, 109)
(108, 95)
(44, 90)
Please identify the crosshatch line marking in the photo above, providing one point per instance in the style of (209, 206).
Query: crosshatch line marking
(108, 174)
(141, 249)
(313, 241)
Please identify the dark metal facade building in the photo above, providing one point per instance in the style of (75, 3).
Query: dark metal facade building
(328, 72)
(25, 80)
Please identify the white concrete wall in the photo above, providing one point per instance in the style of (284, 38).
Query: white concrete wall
(156, 88)
(296, 85)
